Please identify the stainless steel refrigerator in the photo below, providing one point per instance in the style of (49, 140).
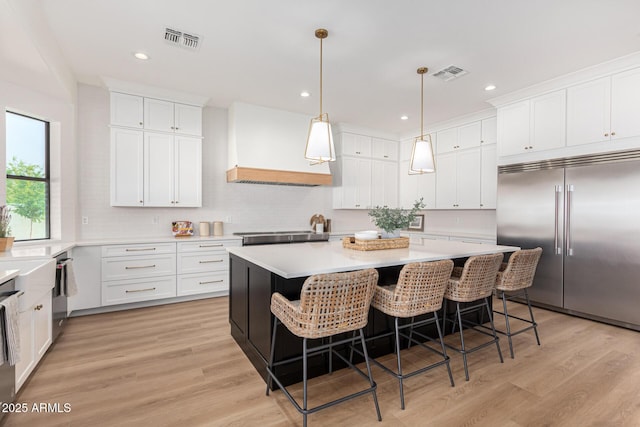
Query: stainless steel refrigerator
(585, 214)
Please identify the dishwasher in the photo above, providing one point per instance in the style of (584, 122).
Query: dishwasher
(59, 302)
(7, 372)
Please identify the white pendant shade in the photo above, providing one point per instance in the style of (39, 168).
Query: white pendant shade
(320, 146)
(422, 156)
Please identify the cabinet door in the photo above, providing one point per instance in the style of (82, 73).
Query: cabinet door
(447, 140)
(356, 183)
(86, 266)
(469, 135)
(188, 119)
(127, 167)
(158, 115)
(468, 179)
(426, 190)
(625, 104)
(384, 183)
(188, 172)
(589, 112)
(158, 169)
(489, 131)
(384, 149)
(127, 110)
(446, 197)
(27, 354)
(548, 121)
(356, 145)
(407, 186)
(42, 319)
(513, 128)
(488, 176)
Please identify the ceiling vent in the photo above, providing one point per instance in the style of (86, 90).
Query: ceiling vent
(181, 39)
(450, 73)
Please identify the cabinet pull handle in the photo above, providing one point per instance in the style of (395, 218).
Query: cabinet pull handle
(139, 249)
(212, 246)
(606, 134)
(210, 261)
(141, 201)
(613, 134)
(139, 290)
(173, 128)
(141, 123)
(385, 156)
(38, 307)
(357, 152)
(139, 266)
(211, 281)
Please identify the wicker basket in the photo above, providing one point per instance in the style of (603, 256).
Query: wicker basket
(374, 245)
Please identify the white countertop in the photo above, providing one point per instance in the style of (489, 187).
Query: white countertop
(304, 259)
(8, 275)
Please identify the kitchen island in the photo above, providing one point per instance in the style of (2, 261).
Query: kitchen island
(256, 272)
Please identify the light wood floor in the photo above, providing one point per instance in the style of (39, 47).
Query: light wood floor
(177, 365)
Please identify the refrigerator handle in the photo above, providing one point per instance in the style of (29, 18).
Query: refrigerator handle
(557, 247)
(569, 248)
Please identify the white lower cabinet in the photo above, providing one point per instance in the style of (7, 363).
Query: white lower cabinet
(132, 277)
(35, 336)
(203, 267)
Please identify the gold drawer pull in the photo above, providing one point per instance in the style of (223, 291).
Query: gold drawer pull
(212, 246)
(38, 307)
(139, 290)
(211, 281)
(215, 260)
(139, 266)
(139, 249)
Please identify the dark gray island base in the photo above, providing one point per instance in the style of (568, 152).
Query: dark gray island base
(251, 287)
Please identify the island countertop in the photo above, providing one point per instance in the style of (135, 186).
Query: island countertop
(305, 259)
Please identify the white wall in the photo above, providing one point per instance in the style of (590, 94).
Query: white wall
(61, 115)
(250, 207)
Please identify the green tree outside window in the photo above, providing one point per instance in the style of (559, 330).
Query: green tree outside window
(26, 198)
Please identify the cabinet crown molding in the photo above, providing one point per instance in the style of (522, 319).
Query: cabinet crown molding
(147, 91)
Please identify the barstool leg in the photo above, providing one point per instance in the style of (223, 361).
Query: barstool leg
(411, 332)
(506, 319)
(399, 363)
(304, 382)
(533, 322)
(371, 382)
(463, 351)
(272, 353)
(444, 349)
(330, 355)
(444, 314)
(493, 329)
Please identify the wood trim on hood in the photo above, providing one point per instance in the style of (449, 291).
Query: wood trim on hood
(270, 176)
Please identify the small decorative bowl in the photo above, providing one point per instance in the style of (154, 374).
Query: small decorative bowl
(366, 235)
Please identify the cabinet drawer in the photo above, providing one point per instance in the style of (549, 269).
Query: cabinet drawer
(122, 268)
(125, 291)
(200, 263)
(207, 246)
(191, 284)
(138, 249)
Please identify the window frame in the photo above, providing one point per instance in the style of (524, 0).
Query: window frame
(46, 179)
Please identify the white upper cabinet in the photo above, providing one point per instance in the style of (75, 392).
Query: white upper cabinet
(489, 131)
(127, 167)
(355, 145)
(356, 183)
(384, 183)
(625, 104)
(416, 186)
(513, 128)
(447, 140)
(589, 112)
(165, 116)
(188, 172)
(127, 110)
(548, 121)
(384, 149)
(469, 135)
(458, 180)
(488, 176)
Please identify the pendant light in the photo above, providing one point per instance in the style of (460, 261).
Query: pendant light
(422, 153)
(320, 147)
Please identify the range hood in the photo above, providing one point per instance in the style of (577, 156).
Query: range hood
(266, 146)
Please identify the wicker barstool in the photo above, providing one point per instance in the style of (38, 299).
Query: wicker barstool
(515, 277)
(473, 283)
(419, 291)
(329, 304)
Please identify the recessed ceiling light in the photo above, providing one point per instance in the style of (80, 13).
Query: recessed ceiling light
(490, 87)
(141, 55)
(404, 117)
(305, 94)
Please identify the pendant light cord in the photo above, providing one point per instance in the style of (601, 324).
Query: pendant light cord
(321, 76)
(421, 105)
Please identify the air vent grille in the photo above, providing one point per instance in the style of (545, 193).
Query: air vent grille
(450, 73)
(179, 38)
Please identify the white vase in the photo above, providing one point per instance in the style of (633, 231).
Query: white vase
(391, 235)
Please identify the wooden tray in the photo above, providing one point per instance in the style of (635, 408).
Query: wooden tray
(374, 245)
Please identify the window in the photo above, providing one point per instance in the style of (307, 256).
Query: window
(27, 153)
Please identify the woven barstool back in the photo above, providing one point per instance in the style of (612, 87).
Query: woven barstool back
(477, 280)
(329, 304)
(419, 290)
(520, 270)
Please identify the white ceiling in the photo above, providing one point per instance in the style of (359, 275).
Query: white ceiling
(265, 52)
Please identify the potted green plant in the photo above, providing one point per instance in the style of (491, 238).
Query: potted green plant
(6, 241)
(392, 220)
